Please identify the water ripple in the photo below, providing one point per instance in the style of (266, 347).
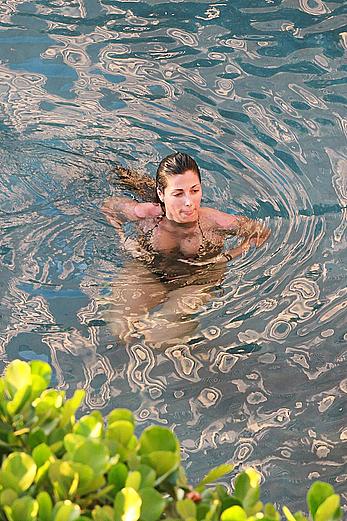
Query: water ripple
(256, 95)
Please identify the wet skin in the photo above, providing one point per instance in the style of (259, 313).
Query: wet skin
(178, 237)
(179, 231)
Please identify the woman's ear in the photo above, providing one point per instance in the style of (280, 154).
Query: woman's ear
(160, 195)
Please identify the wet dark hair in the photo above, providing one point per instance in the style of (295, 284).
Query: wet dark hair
(174, 164)
(145, 186)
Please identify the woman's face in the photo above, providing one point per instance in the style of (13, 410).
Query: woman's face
(182, 197)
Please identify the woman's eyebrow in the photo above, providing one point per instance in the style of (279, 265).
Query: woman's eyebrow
(182, 189)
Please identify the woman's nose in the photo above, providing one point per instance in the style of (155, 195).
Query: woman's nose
(188, 201)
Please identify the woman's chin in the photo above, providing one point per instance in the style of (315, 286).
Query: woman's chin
(183, 217)
(189, 216)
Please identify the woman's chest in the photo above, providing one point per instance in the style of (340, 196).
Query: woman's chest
(198, 243)
(185, 244)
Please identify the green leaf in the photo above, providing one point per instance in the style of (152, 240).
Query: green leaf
(94, 484)
(299, 516)
(21, 397)
(234, 513)
(21, 467)
(66, 511)
(213, 475)
(7, 496)
(72, 442)
(247, 489)
(119, 451)
(41, 474)
(17, 376)
(271, 513)
(70, 478)
(48, 404)
(213, 513)
(5, 428)
(317, 494)
(202, 510)
(53, 432)
(120, 431)
(148, 476)
(127, 505)
(230, 501)
(133, 480)
(36, 436)
(120, 414)
(94, 454)
(3, 400)
(181, 480)
(288, 514)
(70, 407)
(45, 506)
(153, 504)
(41, 454)
(329, 510)
(38, 385)
(24, 509)
(117, 476)
(90, 426)
(8, 480)
(104, 513)
(156, 438)
(186, 508)
(42, 369)
(162, 462)
(61, 475)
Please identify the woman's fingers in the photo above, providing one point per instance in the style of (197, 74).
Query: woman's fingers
(157, 210)
(145, 210)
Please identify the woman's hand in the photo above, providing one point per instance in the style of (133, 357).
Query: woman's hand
(119, 210)
(260, 236)
(146, 210)
(256, 232)
(238, 250)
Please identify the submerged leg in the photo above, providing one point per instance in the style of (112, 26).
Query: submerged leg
(134, 294)
(177, 318)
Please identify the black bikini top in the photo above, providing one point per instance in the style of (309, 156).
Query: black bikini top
(207, 247)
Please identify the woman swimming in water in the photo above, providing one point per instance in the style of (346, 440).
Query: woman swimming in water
(179, 248)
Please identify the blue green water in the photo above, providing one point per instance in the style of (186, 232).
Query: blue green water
(256, 92)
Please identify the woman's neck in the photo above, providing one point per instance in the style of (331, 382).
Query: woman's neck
(174, 225)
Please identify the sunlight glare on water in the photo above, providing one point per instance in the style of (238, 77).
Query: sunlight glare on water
(255, 91)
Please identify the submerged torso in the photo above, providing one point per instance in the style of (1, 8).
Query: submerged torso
(178, 254)
(196, 243)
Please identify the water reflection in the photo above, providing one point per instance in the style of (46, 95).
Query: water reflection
(256, 95)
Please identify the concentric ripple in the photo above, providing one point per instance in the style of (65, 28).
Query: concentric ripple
(255, 91)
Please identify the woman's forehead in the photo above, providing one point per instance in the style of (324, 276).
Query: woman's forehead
(182, 181)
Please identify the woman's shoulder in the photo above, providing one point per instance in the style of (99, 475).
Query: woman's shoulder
(145, 225)
(217, 219)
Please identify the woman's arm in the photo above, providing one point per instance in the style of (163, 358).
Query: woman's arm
(118, 210)
(254, 232)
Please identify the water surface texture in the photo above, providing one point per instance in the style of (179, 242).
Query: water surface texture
(255, 91)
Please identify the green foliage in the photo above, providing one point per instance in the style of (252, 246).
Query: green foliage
(54, 468)
(213, 475)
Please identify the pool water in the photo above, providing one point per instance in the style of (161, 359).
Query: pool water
(256, 92)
